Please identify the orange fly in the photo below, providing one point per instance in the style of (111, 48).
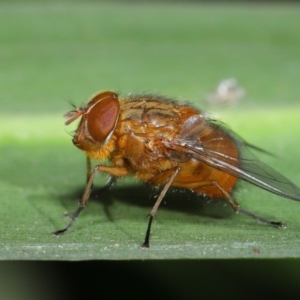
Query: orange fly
(166, 143)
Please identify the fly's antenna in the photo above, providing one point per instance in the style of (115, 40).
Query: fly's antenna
(73, 115)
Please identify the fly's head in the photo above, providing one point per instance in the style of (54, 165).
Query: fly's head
(98, 121)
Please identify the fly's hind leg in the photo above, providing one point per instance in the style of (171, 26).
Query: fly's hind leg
(237, 208)
(256, 217)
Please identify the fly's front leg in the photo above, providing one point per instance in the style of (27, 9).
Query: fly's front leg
(113, 171)
(88, 169)
(171, 174)
(108, 183)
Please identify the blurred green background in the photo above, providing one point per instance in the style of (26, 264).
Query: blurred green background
(53, 53)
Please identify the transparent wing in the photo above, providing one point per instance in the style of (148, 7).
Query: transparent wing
(246, 166)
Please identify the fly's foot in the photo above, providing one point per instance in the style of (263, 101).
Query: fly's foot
(59, 232)
(278, 224)
(145, 245)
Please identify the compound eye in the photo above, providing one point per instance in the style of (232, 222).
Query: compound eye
(102, 115)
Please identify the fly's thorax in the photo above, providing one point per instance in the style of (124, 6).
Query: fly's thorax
(145, 124)
(155, 110)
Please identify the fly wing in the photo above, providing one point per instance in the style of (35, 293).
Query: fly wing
(246, 166)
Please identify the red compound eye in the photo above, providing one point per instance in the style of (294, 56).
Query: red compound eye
(102, 115)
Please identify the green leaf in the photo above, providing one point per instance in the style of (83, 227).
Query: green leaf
(62, 54)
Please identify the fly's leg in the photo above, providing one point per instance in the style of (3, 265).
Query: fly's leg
(172, 173)
(109, 182)
(82, 204)
(113, 171)
(88, 169)
(237, 208)
(234, 205)
(256, 217)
